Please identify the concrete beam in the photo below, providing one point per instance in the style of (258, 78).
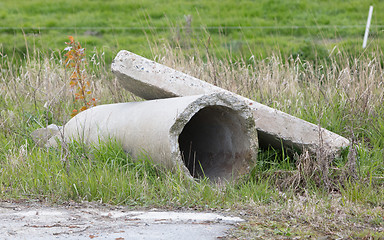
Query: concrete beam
(212, 135)
(151, 80)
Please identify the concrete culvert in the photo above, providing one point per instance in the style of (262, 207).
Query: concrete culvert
(206, 135)
(213, 141)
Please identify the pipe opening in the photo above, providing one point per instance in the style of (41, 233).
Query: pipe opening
(215, 144)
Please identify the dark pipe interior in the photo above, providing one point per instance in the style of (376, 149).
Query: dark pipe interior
(214, 143)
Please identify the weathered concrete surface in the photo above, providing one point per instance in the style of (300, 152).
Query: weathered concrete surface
(42, 135)
(215, 130)
(35, 221)
(151, 80)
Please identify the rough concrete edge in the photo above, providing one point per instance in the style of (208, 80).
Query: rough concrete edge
(61, 139)
(214, 99)
(143, 78)
(42, 135)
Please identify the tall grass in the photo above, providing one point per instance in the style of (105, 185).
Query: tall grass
(342, 94)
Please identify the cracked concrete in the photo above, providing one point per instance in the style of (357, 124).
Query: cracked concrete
(36, 221)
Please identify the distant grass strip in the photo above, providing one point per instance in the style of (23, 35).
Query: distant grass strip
(261, 27)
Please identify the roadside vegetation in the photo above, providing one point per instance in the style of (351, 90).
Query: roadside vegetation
(285, 196)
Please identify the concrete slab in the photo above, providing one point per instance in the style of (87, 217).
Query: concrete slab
(39, 222)
(151, 80)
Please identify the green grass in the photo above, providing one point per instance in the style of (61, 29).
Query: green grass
(107, 174)
(307, 28)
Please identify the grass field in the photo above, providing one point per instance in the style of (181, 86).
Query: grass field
(259, 28)
(283, 196)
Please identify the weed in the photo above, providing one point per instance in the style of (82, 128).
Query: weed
(75, 61)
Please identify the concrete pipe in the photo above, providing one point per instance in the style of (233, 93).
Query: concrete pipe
(151, 80)
(206, 135)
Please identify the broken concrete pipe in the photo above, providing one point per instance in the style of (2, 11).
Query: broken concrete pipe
(205, 135)
(151, 80)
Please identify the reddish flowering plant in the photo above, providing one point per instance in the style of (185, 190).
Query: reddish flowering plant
(75, 61)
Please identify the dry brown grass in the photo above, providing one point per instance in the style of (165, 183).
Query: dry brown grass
(309, 216)
(43, 81)
(290, 84)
